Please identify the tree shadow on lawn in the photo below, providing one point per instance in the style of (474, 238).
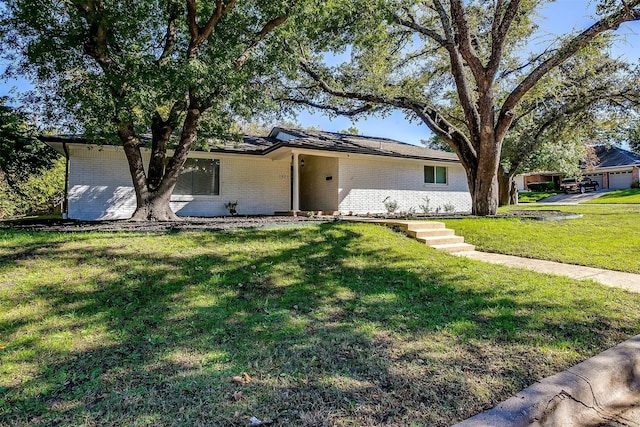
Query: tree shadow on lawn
(332, 325)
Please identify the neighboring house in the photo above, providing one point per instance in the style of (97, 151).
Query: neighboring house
(287, 171)
(613, 168)
(523, 180)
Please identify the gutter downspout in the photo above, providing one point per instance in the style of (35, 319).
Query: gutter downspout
(65, 202)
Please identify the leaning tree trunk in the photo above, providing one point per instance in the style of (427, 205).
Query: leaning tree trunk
(151, 205)
(153, 196)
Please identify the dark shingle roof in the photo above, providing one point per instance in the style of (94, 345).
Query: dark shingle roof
(332, 141)
(610, 156)
(309, 139)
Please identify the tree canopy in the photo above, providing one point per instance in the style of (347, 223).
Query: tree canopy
(433, 57)
(172, 69)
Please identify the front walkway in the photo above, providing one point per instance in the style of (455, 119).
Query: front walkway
(617, 279)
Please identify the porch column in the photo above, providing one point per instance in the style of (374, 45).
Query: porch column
(295, 200)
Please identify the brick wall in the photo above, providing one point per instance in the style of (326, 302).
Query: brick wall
(364, 184)
(100, 186)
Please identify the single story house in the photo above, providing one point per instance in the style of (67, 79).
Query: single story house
(615, 168)
(612, 167)
(289, 170)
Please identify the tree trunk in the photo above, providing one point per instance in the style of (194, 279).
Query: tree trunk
(153, 194)
(150, 205)
(513, 194)
(504, 183)
(484, 191)
(484, 195)
(155, 207)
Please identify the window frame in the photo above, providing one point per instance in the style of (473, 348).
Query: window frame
(434, 174)
(214, 165)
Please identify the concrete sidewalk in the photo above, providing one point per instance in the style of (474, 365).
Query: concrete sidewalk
(603, 390)
(617, 279)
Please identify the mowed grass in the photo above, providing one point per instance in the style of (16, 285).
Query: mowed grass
(605, 237)
(331, 325)
(630, 195)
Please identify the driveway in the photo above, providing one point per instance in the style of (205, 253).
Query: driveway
(572, 198)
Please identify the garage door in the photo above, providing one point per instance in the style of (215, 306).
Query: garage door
(595, 177)
(620, 180)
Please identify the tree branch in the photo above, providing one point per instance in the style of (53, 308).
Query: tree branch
(458, 71)
(97, 43)
(628, 13)
(268, 27)
(431, 117)
(347, 113)
(413, 25)
(171, 34)
(464, 39)
(200, 34)
(499, 33)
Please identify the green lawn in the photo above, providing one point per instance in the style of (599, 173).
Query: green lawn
(605, 237)
(630, 196)
(533, 196)
(339, 324)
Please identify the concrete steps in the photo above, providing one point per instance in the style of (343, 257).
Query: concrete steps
(432, 233)
(436, 235)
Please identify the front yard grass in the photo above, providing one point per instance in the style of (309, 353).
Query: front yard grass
(338, 324)
(630, 195)
(605, 237)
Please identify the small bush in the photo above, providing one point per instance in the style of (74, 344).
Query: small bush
(541, 186)
(40, 193)
(425, 207)
(449, 208)
(635, 184)
(390, 205)
(232, 207)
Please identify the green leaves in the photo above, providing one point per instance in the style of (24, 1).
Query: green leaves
(103, 62)
(30, 177)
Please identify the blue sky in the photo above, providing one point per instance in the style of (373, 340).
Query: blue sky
(558, 17)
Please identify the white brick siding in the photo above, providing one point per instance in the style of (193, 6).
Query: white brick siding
(100, 186)
(365, 184)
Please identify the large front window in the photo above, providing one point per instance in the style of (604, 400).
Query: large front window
(199, 177)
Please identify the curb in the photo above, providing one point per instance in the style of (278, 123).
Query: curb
(603, 390)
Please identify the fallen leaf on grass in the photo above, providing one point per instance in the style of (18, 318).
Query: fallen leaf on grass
(243, 378)
(237, 396)
(2, 346)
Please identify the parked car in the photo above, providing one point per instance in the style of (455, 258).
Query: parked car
(575, 185)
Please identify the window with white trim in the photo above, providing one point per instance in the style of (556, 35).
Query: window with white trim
(435, 175)
(199, 177)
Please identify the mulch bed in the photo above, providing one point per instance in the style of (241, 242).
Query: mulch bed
(194, 224)
(232, 222)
